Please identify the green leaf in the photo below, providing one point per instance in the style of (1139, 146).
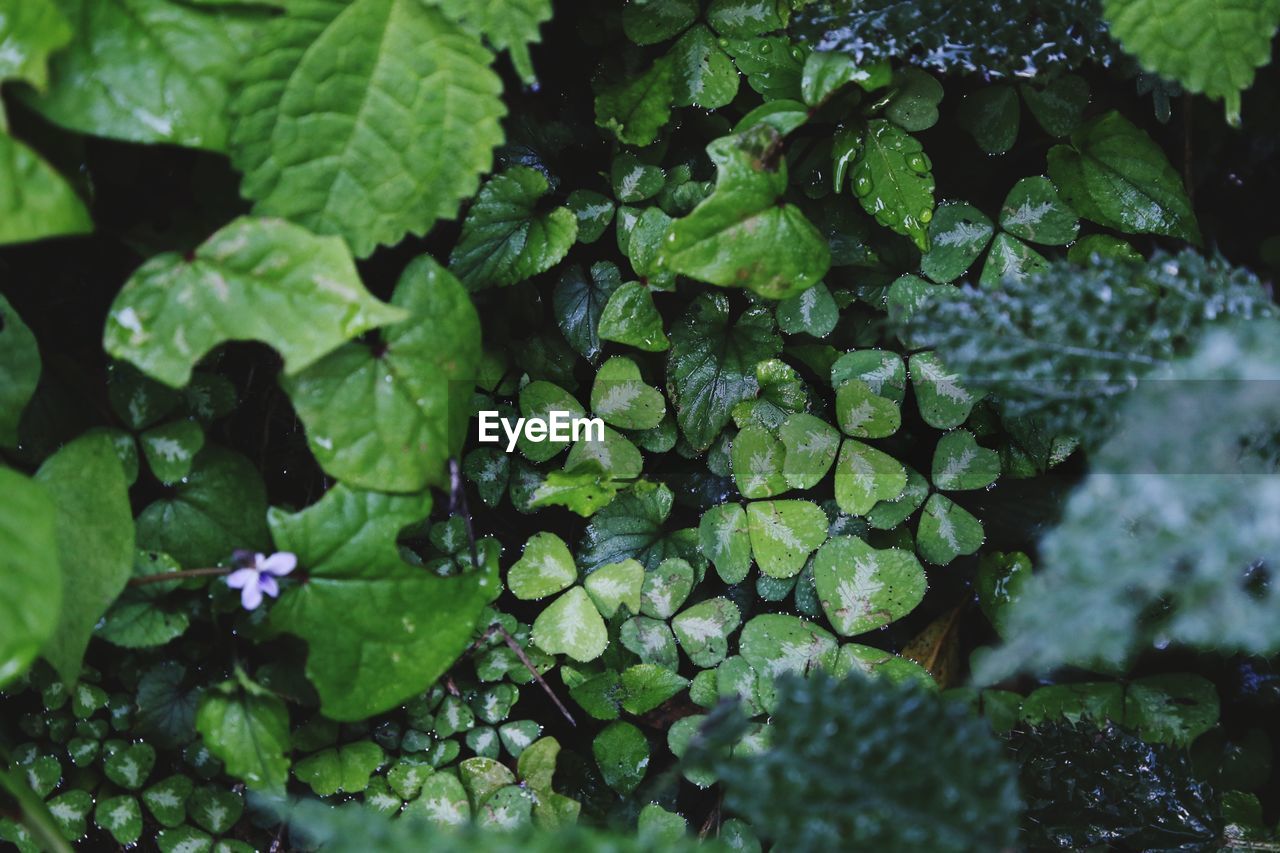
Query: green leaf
(505, 239)
(943, 402)
(583, 490)
(704, 73)
(593, 211)
(70, 812)
(1207, 46)
(579, 302)
(620, 396)
(509, 25)
(341, 769)
(703, 630)
(616, 585)
(825, 73)
(863, 413)
(712, 363)
(1059, 106)
(862, 588)
(865, 476)
(1115, 175)
(723, 536)
(1009, 259)
(757, 459)
(29, 33)
(19, 372)
(947, 531)
(782, 393)
(544, 568)
(221, 507)
(633, 527)
(255, 279)
(94, 528)
(630, 318)
(247, 728)
(666, 588)
(991, 115)
(379, 630)
(784, 534)
(189, 54)
(635, 109)
(880, 372)
(913, 106)
(121, 816)
(343, 159)
(215, 809)
(35, 201)
(140, 617)
(774, 643)
(773, 66)
(811, 444)
(892, 178)
(30, 573)
(1033, 211)
(652, 21)
(812, 311)
(167, 800)
(571, 625)
(742, 235)
(419, 384)
(129, 767)
(622, 754)
(539, 399)
(645, 686)
(736, 18)
(171, 449)
(888, 514)
(960, 464)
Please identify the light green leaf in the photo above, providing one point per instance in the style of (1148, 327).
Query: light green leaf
(960, 464)
(622, 754)
(645, 686)
(1009, 258)
(379, 630)
(544, 568)
(865, 476)
(584, 488)
(30, 573)
(539, 399)
(712, 364)
(957, 235)
(774, 643)
(121, 816)
(878, 663)
(892, 178)
(443, 801)
(621, 397)
(862, 588)
(991, 115)
(247, 728)
(1206, 45)
(784, 534)
(723, 536)
(630, 318)
(881, 371)
(704, 73)
(636, 109)
(340, 769)
(947, 531)
(30, 31)
(505, 238)
(393, 148)
(1115, 175)
(825, 72)
(651, 640)
(812, 312)
(703, 630)
(94, 528)
(571, 626)
(1033, 211)
(863, 413)
(757, 459)
(943, 402)
(509, 25)
(35, 201)
(221, 507)
(190, 56)
(19, 371)
(255, 279)
(616, 585)
(666, 588)
(171, 449)
(811, 444)
(888, 514)
(418, 388)
(741, 236)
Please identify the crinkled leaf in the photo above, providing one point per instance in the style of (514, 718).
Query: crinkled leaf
(636, 109)
(509, 25)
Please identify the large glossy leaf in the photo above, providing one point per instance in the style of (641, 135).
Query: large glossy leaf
(416, 386)
(29, 31)
(378, 629)
(893, 179)
(369, 119)
(247, 727)
(744, 235)
(95, 536)
(636, 108)
(19, 370)
(712, 364)
(255, 279)
(30, 574)
(187, 56)
(579, 301)
(35, 201)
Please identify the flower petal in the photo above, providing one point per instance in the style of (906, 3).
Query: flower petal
(251, 596)
(241, 578)
(280, 564)
(269, 586)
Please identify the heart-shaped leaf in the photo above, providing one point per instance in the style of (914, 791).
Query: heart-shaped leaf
(121, 816)
(784, 534)
(171, 448)
(1034, 211)
(774, 643)
(621, 397)
(811, 445)
(545, 568)
(215, 809)
(32, 576)
(1009, 258)
(247, 727)
(630, 318)
(957, 235)
(865, 476)
(651, 640)
(887, 515)
(947, 531)
(443, 801)
(666, 588)
(811, 312)
(344, 768)
(862, 413)
(616, 585)
(862, 588)
(622, 754)
(571, 625)
(703, 630)
(943, 402)
(167, 800)
(722, 533)
(960, 464)
(757, 462)
(130, 767)
(645, 686)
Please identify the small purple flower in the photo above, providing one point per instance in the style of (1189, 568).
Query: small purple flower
(260, 578)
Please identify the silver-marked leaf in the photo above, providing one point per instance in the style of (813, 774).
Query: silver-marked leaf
(130, 766)
(943, 402)
(443, 802)
(538, 400)
(505, 237)
(1009, 258)
(722, 533)
(630, 318)
(887, 515)
(947, 531)
(615, 456)
(878, 663)
(893, 179)
(865, 476)
(811, 446)
(544, 568)
(621, 397)
(704, 73)
(171, 448)
(757, 459)
(960, 464)
(70, 811)
(167, 800)
(121, 816)
(862, 588)
(957, 235)
(703, 630)
(214, 809)
(774, 643)
(395, 146)
(882, 371)
(784, 534)
(666, 588)
(1033, 211)
(490, 470)
(417, 386)
(862, 413)
(812, 312)
(651, 640)
(616, 585)
(593, 211)
(782, 393)
(255, 279)
(571, 625)
(634, 181)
